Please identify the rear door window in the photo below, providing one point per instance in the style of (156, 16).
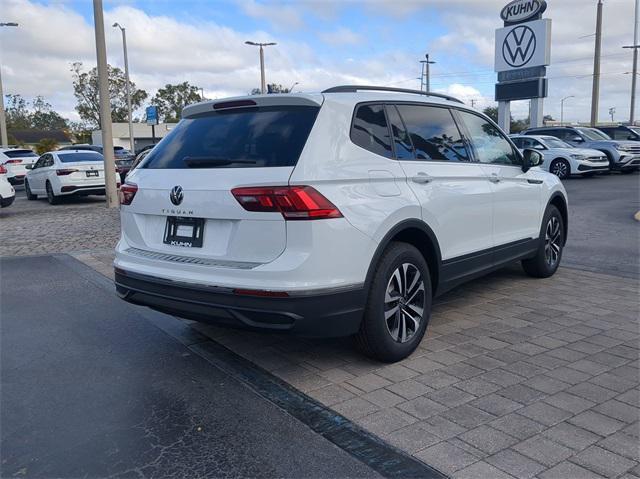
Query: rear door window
(401, 141)
(239, 138)
(434, 133)
(370, 130)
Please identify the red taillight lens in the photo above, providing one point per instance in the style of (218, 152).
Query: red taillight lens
(65, 171)
(127, 192)
(12, 162)
(293, 202)
(3, 170)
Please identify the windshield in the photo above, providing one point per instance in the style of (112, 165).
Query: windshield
(20, 154)
(635, 129)
(240, 138)
(555, 143)
(593, 134)
(79, 156)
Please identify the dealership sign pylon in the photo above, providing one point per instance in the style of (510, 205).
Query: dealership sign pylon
(522, 53)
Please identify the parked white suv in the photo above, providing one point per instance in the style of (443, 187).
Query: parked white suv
(340, 213)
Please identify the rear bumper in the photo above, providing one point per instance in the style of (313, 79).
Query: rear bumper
(4, 202)
(309, 314)
(82, 190)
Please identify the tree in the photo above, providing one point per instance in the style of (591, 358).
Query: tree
(17, 113)
(491, 112)
(45, 145)
(171, 99)
(516, 126)
(85, 89)
(271, 88)
(44, 117)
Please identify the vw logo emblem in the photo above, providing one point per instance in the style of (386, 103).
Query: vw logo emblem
(519, 46)
(176, 196)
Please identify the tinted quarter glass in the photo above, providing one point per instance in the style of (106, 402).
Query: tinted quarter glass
(370, 130)
(433, 133)
(489, 144)
(241, 138)
(401, 141)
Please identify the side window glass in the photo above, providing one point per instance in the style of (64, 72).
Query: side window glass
(434, 133)
(621, 135)
(520, 142)
(370, 130)
(401, 140)
(489, 144)
(38, 163)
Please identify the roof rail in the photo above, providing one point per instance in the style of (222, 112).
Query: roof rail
(355, 88)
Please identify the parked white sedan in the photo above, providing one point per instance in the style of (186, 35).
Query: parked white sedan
(563, 159)
(65, 173)
(16, 160)
(7, 193)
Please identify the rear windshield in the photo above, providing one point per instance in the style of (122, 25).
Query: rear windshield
(20, 153)
(247, 138)
(81, 156)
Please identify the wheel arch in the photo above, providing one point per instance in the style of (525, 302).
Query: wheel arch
(559, 201)
(416, 233)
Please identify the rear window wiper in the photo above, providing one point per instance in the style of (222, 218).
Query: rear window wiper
(208, 161)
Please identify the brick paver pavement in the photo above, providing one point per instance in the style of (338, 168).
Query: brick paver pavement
(516, 378)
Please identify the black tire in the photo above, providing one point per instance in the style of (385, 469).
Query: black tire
(627, 171)
(53, 199)
(561, 168)
(549, 254)
(378, 337)
(27, 190)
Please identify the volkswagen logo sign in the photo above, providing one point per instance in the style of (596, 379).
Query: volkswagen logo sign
(519, 46)
(177, 195)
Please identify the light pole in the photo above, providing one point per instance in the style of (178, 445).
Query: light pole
(291, 89)
(427, 63)
(612, 111)
(263, 83)
(202, 98)
(4, 138)
(132, 142)
(562, 108)
(634, 75)
(595, 91)
(105, 107)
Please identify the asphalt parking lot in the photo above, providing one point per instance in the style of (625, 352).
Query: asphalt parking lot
(517, 377)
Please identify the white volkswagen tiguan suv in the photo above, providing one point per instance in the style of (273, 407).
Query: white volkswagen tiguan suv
(332, 214)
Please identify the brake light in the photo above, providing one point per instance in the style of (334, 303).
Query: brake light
(12, 162)
(293, 202)
(65, 171)
(127, 192)
(3, 170)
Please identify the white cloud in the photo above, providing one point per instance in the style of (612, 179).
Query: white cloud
(278, 14)
(341, 36)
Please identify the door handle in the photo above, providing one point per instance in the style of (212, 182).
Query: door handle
(421, 178)
(494, 178)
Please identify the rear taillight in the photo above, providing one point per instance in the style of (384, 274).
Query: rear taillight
(127, 192)
(3, 170)
(12, 162)
(65, 171)
(293, 202)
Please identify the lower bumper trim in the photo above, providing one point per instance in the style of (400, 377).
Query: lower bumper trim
(323, 315)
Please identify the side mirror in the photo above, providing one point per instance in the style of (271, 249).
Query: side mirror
(531, 158)
(29, 167)
(576, 138)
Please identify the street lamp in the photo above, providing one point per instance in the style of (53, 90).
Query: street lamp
(426, 63)
(562, 108)
(291, 89)
(128, 88)
(263, 84)
(612, 112)
(4, 138)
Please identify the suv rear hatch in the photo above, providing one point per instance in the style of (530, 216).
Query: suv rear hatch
(184, 185)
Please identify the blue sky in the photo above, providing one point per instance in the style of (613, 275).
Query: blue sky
(320, 43)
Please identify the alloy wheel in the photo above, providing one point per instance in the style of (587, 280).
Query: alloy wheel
(552, 241)
(560, 169)
(404, 302)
